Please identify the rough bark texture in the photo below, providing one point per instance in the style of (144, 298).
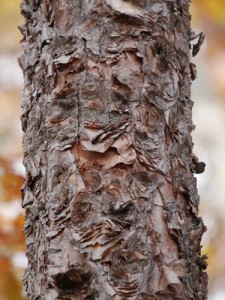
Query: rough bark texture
(110, 196)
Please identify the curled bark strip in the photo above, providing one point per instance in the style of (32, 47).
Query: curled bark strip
(197, 46)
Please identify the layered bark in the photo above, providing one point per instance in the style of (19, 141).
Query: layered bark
(110, 196)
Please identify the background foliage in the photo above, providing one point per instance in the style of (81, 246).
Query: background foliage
(209, 117)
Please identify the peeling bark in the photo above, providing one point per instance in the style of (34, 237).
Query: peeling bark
(110, 195)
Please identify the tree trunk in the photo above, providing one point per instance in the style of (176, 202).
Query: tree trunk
(110, 196)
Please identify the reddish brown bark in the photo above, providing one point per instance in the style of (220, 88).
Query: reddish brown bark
(110, 196)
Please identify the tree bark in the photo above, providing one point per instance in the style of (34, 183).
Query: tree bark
(110, 195)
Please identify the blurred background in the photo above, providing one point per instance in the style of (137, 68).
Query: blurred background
(208, 93)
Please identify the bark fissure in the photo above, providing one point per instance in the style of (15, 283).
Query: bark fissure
(110, 195)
